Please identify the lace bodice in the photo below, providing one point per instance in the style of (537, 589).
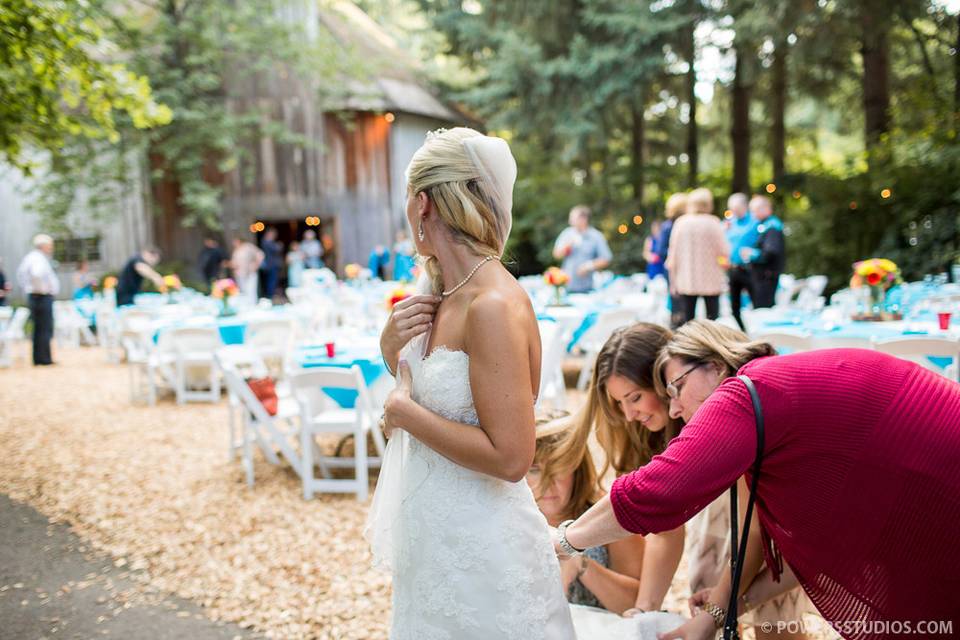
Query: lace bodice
(441, 383)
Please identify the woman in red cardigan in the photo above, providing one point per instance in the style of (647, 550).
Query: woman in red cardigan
(859, 491)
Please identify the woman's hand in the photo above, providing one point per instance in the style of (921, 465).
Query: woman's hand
(699, 627)
(398, 401)
(409, 318)
(699, 599)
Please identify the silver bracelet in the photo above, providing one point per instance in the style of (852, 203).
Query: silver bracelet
(568, 548)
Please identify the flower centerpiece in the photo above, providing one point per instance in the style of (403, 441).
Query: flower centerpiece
(352, 271)
(110, 282)
(223, 290)
(558, 279)
(878, 274)
(398, 294)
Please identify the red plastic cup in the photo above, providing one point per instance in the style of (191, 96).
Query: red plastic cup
(331, 349)
(944, 319)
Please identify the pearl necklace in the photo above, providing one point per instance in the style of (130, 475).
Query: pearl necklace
(469, 275)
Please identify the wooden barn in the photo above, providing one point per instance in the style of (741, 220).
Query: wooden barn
(350, 179)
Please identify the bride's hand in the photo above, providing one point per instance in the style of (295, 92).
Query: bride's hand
(398, 401)
(409, 318)
(699, 627)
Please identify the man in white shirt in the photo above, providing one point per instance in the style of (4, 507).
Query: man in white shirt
(39, 281)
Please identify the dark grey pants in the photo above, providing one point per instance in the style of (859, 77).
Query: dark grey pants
(41, 312)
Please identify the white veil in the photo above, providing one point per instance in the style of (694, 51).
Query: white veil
(498, 173)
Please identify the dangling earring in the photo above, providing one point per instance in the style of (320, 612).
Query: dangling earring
(420, 231)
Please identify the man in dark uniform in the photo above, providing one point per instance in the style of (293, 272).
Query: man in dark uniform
(137, 268)
(211, 260)
(767, 258)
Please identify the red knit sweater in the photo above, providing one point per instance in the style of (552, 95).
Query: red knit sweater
(859, 489)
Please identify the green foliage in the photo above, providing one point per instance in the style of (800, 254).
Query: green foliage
(58, 83)
(197, 55)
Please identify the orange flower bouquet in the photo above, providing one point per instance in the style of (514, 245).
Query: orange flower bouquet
(558, 279)
(352, 271)
(110, 282)
(879, 274)
(223, 290)
(398, 294)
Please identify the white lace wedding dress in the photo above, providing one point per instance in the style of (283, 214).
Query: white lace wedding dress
(471, 555)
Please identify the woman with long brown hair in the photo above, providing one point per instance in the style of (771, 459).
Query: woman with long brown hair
(632, 426)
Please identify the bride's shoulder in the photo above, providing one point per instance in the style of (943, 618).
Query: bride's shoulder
(498, 308)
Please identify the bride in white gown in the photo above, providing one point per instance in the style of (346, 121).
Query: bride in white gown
(452, 518)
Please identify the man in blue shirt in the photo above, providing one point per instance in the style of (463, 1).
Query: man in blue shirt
(583, 250)
(767, 257)
(741, 232)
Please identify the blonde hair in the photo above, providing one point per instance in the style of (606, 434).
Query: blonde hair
(676, 205)
(630, 352)
(561, 449)
(700, 201)
(444, 171)
(706, 341)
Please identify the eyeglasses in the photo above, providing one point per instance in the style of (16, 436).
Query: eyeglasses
(673, 391)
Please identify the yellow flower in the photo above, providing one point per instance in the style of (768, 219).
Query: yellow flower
(110, 282)
(352, 270)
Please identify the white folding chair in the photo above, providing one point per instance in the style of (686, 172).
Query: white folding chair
(828, 342)
(248, 364)
(12, 334)
(193, 348)
(919, 350)
(108, 331)
(147, 367)
(271, 339)
(69, 325)
(271, 434)
(553, 347)
(320, 414)
(596, 336)
(787, 342)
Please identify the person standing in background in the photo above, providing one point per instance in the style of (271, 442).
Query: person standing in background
(211, 260)
(245, 263)
(699, 254)
(741, 232)
(379, 261)
(294, 265)
(137, 268)
(767, 257)
(311, 249)
(583, 250)
(39, 282)
(675, 207)
(4, 285)
(403, 260)
(651, 252)
(272, 262)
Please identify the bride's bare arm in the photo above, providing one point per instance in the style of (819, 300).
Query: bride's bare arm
(500, 379)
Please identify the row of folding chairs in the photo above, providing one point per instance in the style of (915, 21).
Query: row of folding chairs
(915, 349)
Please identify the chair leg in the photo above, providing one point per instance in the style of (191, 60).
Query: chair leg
(306, 460)
(247, 454)
(587, 371)
(360, 459)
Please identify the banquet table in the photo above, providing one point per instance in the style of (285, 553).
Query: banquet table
(366, 357)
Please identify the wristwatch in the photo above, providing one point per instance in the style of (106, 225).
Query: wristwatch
(568, 548)
(719, 615)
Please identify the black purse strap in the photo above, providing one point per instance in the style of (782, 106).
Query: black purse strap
(738, 545)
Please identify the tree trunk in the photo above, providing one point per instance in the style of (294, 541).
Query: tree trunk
(693, 145)
(778, 133)
(637, 140)
(740, 129)
(956, 82)
(876, 72)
